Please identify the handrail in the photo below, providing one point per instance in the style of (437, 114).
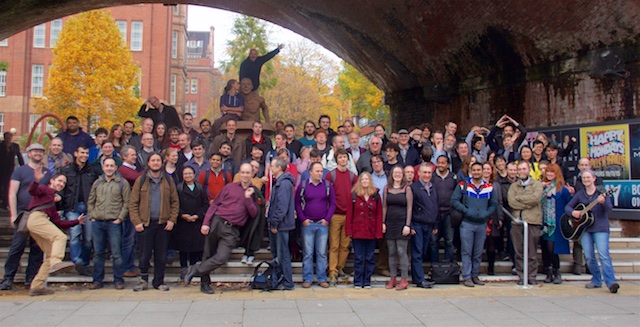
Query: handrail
(525, 261)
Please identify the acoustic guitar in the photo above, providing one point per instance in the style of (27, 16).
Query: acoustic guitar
(573, 228)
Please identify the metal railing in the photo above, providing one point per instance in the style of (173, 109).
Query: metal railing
(525, 260)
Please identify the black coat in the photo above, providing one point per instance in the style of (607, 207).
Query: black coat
(77, 176)
(186, 235)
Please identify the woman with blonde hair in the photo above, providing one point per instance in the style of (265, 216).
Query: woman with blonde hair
(364, 226)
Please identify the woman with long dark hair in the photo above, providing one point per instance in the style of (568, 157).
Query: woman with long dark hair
(526, 154)
(115, 136)
(396, 211)
(555, 198)
(231, 105)
(160, 134)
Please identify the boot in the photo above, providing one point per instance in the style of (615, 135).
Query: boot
(549, 278)
(391, 283)
(183, 272)
(402, 285)
(491, 269)
(557, 277)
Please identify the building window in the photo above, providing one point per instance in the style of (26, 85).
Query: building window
(174, 45)
(194, 109)
(186, 87)
(194, 86)
(1, 123)
(136, 36)
(3, 83)
(176, 10)
(39, 35)
(4, 43)
(122, 26)
(172, 97)
(37, 80)
(32, 120)
(56, 27)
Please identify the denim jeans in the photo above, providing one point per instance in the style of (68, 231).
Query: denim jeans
(419, 248)
(280, 251)
(103, 231)
(18, 243)
(601, 240)
(444, 231)
(363, 263)
(128, 245)
(314, 241)
(80, 236)
(472, 237)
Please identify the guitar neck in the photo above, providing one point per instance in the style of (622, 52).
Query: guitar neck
(595, 202)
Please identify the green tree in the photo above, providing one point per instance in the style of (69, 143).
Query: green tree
(366, 99)
(249, 33)
(93, 75)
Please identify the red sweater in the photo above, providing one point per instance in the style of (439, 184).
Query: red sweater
(43, 194)
(342, 185)
(129, 174)
(364, 218)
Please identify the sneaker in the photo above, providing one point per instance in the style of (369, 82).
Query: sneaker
(332, 280)
(244, 259)
(40, 291)
(250, 259)
(514, 272)
(306, 285)
(6, 285)
(142, 286)
(592, 285)
(60, 267)
(342, 275)
(367, 286)
(162, 287)
(96, 286)
(613, 288)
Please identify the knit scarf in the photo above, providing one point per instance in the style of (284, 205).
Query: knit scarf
(549, 209)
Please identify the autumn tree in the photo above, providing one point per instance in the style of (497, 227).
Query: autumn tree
(365, 98)
(92, 73)
(249, 33)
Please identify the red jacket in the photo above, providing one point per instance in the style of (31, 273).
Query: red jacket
(364, 218)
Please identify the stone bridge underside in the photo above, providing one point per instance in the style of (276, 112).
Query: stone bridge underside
(544, 62)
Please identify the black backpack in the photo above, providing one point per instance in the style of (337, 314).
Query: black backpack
(265, 279)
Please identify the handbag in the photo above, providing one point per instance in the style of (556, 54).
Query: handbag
(456, 216)
(20, 224)
(445, 273)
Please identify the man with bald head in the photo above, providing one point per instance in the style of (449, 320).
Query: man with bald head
(375, 147)
(221, 226)
(160, 113)
(251, 67)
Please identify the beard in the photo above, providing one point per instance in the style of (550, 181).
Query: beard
(155, 170)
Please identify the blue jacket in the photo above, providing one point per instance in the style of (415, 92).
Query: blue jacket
(425, 204)
(479, 203)
(71, 142)
(282, 204)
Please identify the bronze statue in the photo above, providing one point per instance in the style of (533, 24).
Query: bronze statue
(253, 102)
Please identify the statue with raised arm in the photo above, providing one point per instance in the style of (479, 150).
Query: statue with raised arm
(253, 103)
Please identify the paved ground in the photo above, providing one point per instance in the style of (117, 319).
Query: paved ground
(495, 304)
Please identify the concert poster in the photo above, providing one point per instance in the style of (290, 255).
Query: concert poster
(608, 149)
(634, 142)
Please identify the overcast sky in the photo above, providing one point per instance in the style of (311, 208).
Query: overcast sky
(202, 18)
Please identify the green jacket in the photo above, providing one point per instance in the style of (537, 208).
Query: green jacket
(109, 200)
(525, 201)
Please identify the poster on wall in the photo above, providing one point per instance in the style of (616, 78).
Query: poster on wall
(561, 137)
(608, 149)
(627, 194)
(634, 143)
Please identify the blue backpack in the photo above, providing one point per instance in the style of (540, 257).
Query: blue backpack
(266, 279)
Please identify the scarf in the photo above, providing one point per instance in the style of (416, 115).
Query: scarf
(549, 209)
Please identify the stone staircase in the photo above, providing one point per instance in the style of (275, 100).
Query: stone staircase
(625, 254)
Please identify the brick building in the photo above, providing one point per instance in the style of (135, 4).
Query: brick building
(202, 78)
(155, 34)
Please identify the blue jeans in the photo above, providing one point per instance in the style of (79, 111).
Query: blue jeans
(128, 246)
(444, 231)
(419, 248)
(314, 241)
(280, 251)
(601, 240)
(103, 231)
(363, 263)
(18, 243)
(79, 236)
(472, 237)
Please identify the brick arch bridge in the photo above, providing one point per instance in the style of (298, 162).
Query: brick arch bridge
(544, 62)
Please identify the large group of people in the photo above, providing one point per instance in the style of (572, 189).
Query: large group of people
(201, 194)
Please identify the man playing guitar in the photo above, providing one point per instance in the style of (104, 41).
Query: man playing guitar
(597, 234)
